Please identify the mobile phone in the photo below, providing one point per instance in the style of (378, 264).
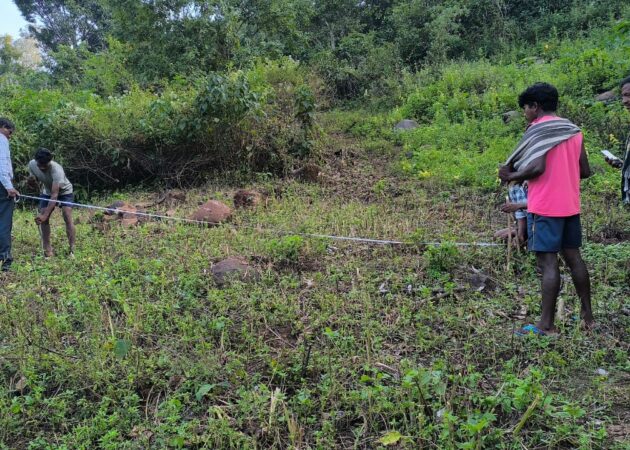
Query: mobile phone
(610, 156)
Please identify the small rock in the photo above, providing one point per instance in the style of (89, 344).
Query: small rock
(247, 199)
(233, 268)
(510, 116)
(601, 372)
(406, 124)
(21, 384)
(606, 97)
(383, 288)
(129, 220)
(119, 207)
(213, 212)
(309, 172)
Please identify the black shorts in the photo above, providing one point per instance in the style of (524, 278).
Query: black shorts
(552, 234)
(43, 204)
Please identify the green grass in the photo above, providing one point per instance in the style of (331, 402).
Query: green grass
(132, 345)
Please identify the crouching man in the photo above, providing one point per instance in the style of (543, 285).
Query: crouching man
(55, 187)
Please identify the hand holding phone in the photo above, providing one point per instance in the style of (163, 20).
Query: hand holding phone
(612, 159)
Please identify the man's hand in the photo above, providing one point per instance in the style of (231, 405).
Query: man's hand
(505, 173)
(12, 193)
(510, 207)
(41, 219)
(616, 163)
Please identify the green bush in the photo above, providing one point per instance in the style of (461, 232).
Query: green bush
(257, 120)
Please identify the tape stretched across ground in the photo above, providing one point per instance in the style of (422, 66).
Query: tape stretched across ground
(286, 233)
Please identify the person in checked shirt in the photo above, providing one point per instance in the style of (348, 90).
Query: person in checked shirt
(7, 193)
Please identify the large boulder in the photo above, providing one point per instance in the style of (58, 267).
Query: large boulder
(233, 268)
(213, 212)
(247, 199)
(406, 124)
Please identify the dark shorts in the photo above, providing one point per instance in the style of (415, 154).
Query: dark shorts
(552, 234)
(43, 204)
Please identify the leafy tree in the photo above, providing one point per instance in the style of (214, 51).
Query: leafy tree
(9, 55)
(67, 22)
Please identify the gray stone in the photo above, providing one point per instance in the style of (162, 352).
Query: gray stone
(406, 124)
(510, 116)
(606, 97)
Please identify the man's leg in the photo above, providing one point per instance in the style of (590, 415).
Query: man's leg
(582, 282)
(6, 224)
(70, 231)
(521, 230)
(550, 285)
(45, 229)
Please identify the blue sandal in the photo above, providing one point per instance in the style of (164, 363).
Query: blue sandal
(530, 329)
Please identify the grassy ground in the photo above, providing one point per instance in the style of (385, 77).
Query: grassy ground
(339, 345)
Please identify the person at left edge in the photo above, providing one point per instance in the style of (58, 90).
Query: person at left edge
(7, 194)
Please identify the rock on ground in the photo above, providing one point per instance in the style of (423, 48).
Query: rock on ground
(213, 212)
(406, 124)
(233, 268)
(607, 96)
(509, 116)
(247, 199)
(309, 172)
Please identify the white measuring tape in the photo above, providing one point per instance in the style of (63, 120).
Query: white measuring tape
(289, 233)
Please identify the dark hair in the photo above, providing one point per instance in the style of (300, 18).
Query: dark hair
(544, 94)
(43, 155)
(624, 82)
(6, 123)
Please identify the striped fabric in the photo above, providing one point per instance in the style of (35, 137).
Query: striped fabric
(539, 139)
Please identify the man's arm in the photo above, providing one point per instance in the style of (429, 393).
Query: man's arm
(54, 194)
(534, 169)
(585, 168)
(513, 207)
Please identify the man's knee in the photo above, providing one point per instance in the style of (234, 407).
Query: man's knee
(572, 257)
(67, 215)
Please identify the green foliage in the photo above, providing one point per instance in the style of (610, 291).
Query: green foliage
(465, 140)
(442, 258)
(286, 249)
(259, 120)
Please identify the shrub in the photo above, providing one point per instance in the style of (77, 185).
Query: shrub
(256, 120)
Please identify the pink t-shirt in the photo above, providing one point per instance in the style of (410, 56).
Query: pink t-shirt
(556, 193)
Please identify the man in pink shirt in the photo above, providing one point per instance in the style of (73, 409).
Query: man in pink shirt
(551, 156)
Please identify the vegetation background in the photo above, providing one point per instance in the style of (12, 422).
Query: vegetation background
(133, 345)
